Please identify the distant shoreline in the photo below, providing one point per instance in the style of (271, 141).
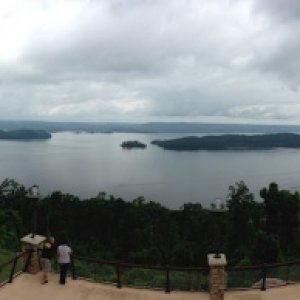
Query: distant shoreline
(24, 134)
(148, 127)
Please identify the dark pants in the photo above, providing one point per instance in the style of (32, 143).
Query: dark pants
(63, 273)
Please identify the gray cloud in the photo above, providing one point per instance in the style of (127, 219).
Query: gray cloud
(281, 10)
(280, 55)
(140, 60)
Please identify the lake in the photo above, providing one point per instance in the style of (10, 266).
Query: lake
(85, 164)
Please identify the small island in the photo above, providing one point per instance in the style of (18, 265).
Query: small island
(133, 144)
(24, 134)
(231, 142)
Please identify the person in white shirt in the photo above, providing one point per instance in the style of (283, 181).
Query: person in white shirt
(64, 258)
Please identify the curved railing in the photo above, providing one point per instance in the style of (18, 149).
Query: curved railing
(166, 278)
(13, 267)
(188, 279)
(143, 276)
(263, 276)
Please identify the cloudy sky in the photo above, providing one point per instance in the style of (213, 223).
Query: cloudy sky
(150, 60)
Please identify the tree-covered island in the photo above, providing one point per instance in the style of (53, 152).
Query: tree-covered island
(24, 134)
(231, 142)
(133, 144)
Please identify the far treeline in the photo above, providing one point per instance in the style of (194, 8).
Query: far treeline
(152, 127)
(146, 232)
(24, 134)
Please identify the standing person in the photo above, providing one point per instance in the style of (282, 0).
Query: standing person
(47, 254)
(64, 258)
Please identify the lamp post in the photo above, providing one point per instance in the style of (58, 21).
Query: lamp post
(34, 195)
(217, 208)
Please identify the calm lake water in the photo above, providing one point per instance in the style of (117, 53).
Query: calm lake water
(85, 164)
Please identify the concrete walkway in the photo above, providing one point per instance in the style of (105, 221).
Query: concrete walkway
(291, 292)
(28, 287)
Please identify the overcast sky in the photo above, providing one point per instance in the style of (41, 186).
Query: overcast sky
(150, 60)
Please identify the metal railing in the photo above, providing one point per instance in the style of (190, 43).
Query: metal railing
(140, 276)
(165, 278)
(14, 266)
(263, 276)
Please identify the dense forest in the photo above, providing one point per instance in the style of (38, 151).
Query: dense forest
(231, 142)
(139, 231)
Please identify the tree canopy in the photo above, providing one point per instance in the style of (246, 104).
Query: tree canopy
(143, 231)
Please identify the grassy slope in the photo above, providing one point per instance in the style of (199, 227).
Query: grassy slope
(5, 256)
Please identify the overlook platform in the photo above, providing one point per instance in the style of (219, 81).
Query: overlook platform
(28, 287)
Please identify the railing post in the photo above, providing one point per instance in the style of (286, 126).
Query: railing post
(167, 280)
(73, 268)
(32, 243)
(288, 275)
(118, 269)
(28, 259)
(217, 276)
(264, 278)
(12, 272)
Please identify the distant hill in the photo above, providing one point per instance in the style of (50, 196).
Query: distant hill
(231, 142)
(152, 127)
(24, 134)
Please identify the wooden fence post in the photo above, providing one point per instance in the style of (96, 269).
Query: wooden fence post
(12, 272)
(119, 282)
(167, 289)
(264, 278)
(73, 268)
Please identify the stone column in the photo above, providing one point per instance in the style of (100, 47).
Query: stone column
(32, 244)
(216, 276)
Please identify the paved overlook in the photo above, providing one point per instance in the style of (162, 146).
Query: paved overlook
(28, 287)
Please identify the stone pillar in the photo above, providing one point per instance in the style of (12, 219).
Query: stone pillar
(32, 244)
(216, 276)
